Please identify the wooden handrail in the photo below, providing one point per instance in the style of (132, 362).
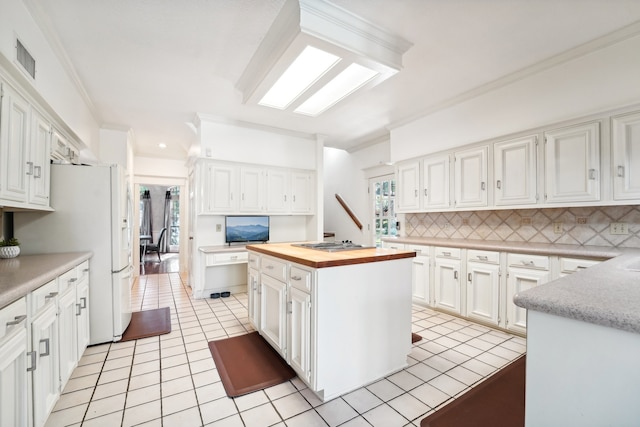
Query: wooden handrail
(349, 211)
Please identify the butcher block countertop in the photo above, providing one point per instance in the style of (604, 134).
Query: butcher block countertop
(321, 259)
(25, 273)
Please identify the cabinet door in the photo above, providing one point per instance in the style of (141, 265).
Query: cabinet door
(435, 182)
(572, 164)
(518, 280)
(46, 376)
(447, 284)
(39, 165)
(82, 316)
(471, 177)
(302, 192)
(483, 292)
(278, 198)
(251, 190)
(13, 377)
(67, 333)
(626, 156)
(515, 171)
(408, 176)
(273, 313)
(299, 346)
(14, 143)
(219, 186)
(421, 280)
(254, 297)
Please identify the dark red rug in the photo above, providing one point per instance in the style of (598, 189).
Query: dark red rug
(148, 323)
(497, 401)
(415, 338)
(248, 363)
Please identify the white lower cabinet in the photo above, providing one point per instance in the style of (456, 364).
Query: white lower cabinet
(82, 310)
(523, 272)
(447, 279)
(68, 333)
(13, 365)
(273, 313)
(253, 291)
(421, 280)
(573, 265)
(299, 333)
(483, 286)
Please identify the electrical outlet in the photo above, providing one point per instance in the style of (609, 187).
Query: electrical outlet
(618, 228)
(557, 227)
(218, 227)
(581, 220)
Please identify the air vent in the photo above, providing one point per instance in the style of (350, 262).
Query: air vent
(25, 59)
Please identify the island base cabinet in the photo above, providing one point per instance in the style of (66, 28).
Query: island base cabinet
(273, 313)
(518, 280)
(299, 348)
(361, 330)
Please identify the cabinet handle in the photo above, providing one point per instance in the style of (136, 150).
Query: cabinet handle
(46, 346)
(269, 267)
(592, 174)
(235, 257)
(37, 173)
(290, 307)
(294, 198)
(455, 275)
(285, 197)
(86, 270)
(17, 320)
(425, 192)
(70, 281)
(529, 263)
(296, 278)
(499, 184)
(483, 258)
(51, 295)
(32, 354)
(78, 310)
(416, 192)
(469, 277)
(483, 185)
(446, 253)
(30, 171)
(83, 300)
(621, 171)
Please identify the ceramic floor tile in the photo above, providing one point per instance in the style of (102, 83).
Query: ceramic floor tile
(362, 400)
(291, 405)
(144, 380)
(423, 371)
(114, 375)
(357, 422)
(385, 390)
(143, 395)
(207, 377)
(110, 389)
(408, 406)
(505, 353)
(75, 398)
(175, 372)
(385, 416)
(464, 375)
(215, 391)
(336, 412)
(306, 419)
(98, 408)
(430, 395)
(142, 413)
(176, 386)
(492, 359)
(121, 362)
(80, 383)
(447, 384)
(280, 390)
(188, 417)
(67, 417)
(222, 408)
(405, 380)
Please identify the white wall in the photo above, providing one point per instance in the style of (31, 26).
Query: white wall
(602, 80)
(52, 83)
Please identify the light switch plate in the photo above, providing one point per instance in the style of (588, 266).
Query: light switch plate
(619, 228)
(218, 227)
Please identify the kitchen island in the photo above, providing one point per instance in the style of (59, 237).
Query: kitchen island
(341, 319)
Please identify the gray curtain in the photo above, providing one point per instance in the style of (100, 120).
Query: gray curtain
(167, 222)
(146, 228)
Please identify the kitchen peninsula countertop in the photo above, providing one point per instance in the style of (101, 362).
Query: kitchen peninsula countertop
(607, 294)
(23, 274)
(321, 259)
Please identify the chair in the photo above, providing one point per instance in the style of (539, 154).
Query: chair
(157, 247)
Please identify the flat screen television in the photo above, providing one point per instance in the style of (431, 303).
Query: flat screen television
(246, 228)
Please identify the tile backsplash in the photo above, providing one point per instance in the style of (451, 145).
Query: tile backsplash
(573, 226)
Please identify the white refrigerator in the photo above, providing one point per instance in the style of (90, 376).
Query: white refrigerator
(93, 212)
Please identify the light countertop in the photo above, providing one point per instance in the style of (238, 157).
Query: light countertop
(23, 274)
(321, 259)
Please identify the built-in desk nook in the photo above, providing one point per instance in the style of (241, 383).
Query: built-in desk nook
(224, 269)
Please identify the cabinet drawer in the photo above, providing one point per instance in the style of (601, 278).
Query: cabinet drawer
(254, 261)
(12, 315)
(223, 258)
(65, 280)
(571, 265)
(528, 261)
(83, 270)
(448, 252)
(274, 268)
(43, 295)
(420, 249)
(301, 279)
(483, 256)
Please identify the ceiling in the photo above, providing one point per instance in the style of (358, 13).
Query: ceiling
(152, 65)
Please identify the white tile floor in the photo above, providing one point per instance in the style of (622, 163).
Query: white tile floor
(171, 380)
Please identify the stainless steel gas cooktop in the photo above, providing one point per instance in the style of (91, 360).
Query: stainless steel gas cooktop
(332, 246)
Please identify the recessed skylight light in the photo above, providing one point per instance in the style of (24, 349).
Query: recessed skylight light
(307, 68)
(348, 81)
(162, 145)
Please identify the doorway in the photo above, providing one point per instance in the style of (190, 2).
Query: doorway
(382, 190)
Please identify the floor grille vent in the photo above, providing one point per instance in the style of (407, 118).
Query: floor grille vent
(25, 59)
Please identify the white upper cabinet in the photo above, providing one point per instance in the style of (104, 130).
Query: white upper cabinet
(218, 189)
(436, 192)
(572, 164)
(302, 192)
(38, 166)
(278, 191)
(14, 143)
(471, 177)
(514, 166)
(251, 189)
(408, 176)
(626, 156)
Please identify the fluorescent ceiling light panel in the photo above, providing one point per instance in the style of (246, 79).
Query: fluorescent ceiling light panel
(345, 83)
(306, 69)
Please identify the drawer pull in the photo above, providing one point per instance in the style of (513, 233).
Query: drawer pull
(483, 258)
(592, 174)
(296, 278)
(86, 270)
(17, 320)
(455, 274)
(235, 257)
(621, 171)
(33, 355)
(51, 295)
(83, 300)
(529, 263)
(269, 267)
(46, 346)
(469, 277)
(290, 307)
(78, 310)
(499, 184)
(446, 253)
